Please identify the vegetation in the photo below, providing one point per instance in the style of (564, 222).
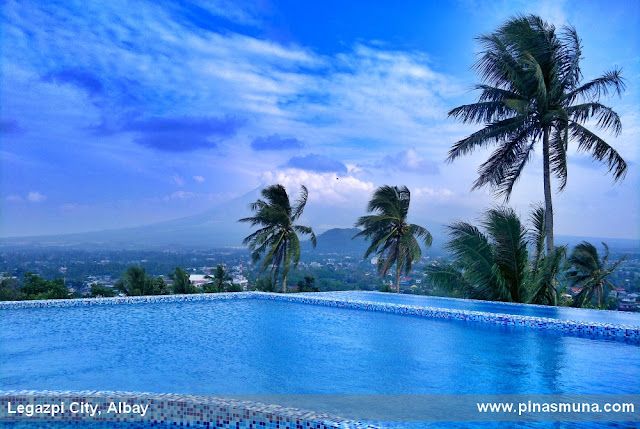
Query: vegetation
(181, 283)
(277, 237)
(532, 92)
(588, 271)
(393, 239)
(265, 285)
(136, 282)
(10, 290)
(496, 266)
(99, 291)
(307, 285)
(36, 287)
(221, 281)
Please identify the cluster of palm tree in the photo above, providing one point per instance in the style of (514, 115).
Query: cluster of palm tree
(531, 92)
(496, 264)
(507, 262)
(392, 237)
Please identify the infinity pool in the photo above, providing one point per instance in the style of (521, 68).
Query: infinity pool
(251, 346)
(562, 313)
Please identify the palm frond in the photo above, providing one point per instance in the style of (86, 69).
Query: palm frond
(599, 150)
(598, 87)
(493, 133)
(300, 203)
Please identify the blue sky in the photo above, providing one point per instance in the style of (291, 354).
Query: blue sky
(126, 113)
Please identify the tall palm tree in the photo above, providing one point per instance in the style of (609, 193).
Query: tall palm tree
(277, 236)
(532, 91)
(392, 238)
(590, 272)
(495, 265)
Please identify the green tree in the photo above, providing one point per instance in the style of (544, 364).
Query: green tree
(532, 91)
(135, 282)
(265, 285)
(221, 280)
(277, 237)
(181, 282)
(588, 271)
(307, 285)
(160, 287)
(99, 291)
(495, 265)
(544, 268)
(392, 238)
(10, 290)
(36, 287)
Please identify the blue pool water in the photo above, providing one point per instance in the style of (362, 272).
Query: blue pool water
(273, 347)
(563, 313)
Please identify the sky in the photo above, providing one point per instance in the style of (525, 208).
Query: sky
(124, 113)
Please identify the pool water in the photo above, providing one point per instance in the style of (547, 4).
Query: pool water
(562, 313)
(273, 347)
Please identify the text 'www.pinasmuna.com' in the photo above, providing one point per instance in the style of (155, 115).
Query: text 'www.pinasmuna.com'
(531, 407)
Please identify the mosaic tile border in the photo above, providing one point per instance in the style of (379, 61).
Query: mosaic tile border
(163, 409)
(627, 333)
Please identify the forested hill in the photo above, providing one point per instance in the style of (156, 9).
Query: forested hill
(340, 240)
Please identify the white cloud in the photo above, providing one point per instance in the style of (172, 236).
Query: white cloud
(324, 188)
(198, 179)
(35, 197)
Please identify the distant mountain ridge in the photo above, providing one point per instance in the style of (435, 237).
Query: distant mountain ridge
(218, 228)
(338, 240)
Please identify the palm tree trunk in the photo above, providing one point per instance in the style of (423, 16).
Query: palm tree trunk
(398, 271)
(548, 212)
(600, 294)
(284, 271)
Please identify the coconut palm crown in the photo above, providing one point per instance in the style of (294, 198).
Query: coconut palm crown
(496, 264)
(589, 271)
(392, 238)
(532, 92)
(277, 235)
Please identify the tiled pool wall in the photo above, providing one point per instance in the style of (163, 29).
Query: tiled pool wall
(592, 329)
(162, 409)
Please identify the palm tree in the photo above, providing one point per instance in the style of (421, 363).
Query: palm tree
(544, 268)
(392, 238)
(277, 236)
(135, 282)
(495, 265)
(532, 91)
(220, 278)
(590, 272)
(181, 282)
